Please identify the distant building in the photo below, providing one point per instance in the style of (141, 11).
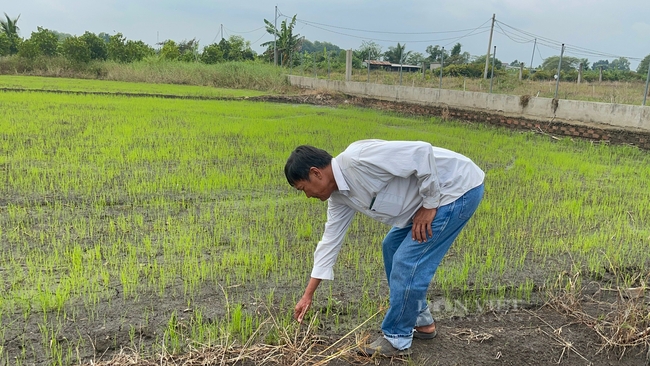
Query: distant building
(385, 65)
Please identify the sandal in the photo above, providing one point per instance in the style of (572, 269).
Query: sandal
(424, 335)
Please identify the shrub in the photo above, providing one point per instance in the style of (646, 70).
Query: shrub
(76, 50)
(96, 45)
(542, 75)
(170, 51)
(5, 45)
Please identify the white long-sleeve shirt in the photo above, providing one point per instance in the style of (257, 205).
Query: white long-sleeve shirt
(389, 181)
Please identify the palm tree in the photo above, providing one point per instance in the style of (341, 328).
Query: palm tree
(396, 54)
(9, 26)
(10, 29)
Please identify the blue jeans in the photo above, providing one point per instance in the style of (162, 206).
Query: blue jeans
(410, 266)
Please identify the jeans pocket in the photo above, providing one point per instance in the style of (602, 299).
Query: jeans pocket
(470, 201)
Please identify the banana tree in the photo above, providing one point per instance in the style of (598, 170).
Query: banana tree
(287, 43)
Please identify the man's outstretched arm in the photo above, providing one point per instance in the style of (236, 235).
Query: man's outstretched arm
(305, 302)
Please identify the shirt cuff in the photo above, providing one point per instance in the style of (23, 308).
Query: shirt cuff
(431, 202)
(323, 273)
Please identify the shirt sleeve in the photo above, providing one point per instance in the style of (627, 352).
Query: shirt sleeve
(339, 217)
(404, 159)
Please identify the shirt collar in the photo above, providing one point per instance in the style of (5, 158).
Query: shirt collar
(338, 176)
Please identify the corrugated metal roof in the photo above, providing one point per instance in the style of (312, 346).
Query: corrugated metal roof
(378, 63)
(386, 63)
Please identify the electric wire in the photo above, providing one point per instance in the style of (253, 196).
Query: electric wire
(388, 40)
(259, 39)
(382, 32)
(514, 34)
(251, 31)
(574, 50)
(326, 27)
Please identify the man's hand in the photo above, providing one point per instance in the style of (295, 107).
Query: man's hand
(305, 302)
(301, 308)
(422, 220)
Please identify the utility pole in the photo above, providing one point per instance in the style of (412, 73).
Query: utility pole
(647, 81)
(222, 31)
(487, 58)
(442, 65)
(400, 65)
(494, 57)
(533, 56)
(368, 63)
(275, 38)
(559, 67)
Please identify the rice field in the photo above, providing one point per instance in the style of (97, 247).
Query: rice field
(154, 224)
(36, 83)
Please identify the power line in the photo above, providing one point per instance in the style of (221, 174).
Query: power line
(556, 44)
(263, 35)
(521, 39)
(385, 40)
(251, 31)
(380, 32)
(470, 33)
(325, 27)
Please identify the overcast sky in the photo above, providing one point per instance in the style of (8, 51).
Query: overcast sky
(592, 29)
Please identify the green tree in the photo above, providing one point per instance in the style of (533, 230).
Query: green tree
(189, 50)
(286, 42)
(236, 48)
(5, 45)
(415, 58)
(397, 54)
(121, 50)
(498, 65)
(620, 64)
(643, 66)
(10, 28)
(369, 50)
(138, 50)
(96, 45)
(601, 63)
(170, 50)
(46, 41)
(76, 50)
(568, 63)
(105, 37)
(457, 57)
(117, 48)
(212, 54)
(61, 36)
(317, 46)
(436, 53)
(29, 49)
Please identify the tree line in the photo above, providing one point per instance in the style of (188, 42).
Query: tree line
(288, 49)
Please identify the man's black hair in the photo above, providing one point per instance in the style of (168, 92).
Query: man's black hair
(302, 159)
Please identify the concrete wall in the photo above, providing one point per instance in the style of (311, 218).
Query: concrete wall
(534, 108)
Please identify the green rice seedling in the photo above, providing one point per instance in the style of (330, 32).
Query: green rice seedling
(112, 201)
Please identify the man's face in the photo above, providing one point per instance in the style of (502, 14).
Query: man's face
(318, 186)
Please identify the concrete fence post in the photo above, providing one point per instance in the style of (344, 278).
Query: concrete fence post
(580, 73)
(559, 72)
(647, 82)
(600, 74)
(348, 65)
(521, 71)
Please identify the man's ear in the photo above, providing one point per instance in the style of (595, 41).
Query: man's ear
(316, 172)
